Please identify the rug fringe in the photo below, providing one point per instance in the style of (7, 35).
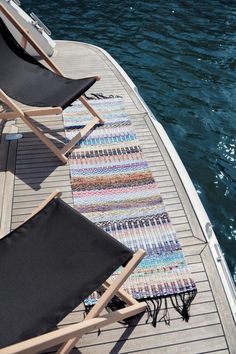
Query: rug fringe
(185, 302)
(99, 96)
(181, 303)
(166, 316)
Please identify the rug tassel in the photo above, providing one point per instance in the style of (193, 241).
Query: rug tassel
(86, 310)
(153, 309)
(186, 300)
(157, 307)
(181, 303)
(99, 96)
(149, 311)
(166, 316)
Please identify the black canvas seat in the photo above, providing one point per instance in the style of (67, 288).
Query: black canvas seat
(48, 266)
(43, 88)
(26, 80)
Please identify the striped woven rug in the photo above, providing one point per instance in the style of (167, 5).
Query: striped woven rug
(113, 186)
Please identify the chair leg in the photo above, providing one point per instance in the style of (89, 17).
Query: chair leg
(112, 290)
(90, 109)
(60, 153)
(51, 339)
(83, 132)
(8, 115)
(44, 139)
(15, 111)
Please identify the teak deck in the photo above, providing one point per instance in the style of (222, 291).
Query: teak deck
(29, 172)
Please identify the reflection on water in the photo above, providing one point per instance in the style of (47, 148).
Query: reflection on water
(182, 56)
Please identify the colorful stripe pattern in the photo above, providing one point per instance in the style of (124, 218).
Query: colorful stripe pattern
(113, 186)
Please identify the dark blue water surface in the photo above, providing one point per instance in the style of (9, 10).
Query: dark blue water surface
(182, 57)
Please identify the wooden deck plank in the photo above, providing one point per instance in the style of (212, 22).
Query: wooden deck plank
(7, 197)
(161, 340)
(177, 325)
(218, 351)
(197, 309)
(193, 347)
(4, 146)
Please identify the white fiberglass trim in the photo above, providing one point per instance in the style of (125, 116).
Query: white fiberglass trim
(35, 29)
(199, 210)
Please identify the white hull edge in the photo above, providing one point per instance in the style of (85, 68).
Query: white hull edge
(40, 37)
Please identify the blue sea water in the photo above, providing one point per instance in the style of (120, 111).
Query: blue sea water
(181, 54)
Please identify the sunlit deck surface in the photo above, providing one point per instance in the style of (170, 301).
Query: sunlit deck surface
(29, 172)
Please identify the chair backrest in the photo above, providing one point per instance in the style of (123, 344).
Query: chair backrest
(15, 65)
(48, 266)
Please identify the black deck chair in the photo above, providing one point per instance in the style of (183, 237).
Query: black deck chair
(48, 266)
(29, 82)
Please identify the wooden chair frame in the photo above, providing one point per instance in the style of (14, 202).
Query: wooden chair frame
(25, 115)
(69, 335)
